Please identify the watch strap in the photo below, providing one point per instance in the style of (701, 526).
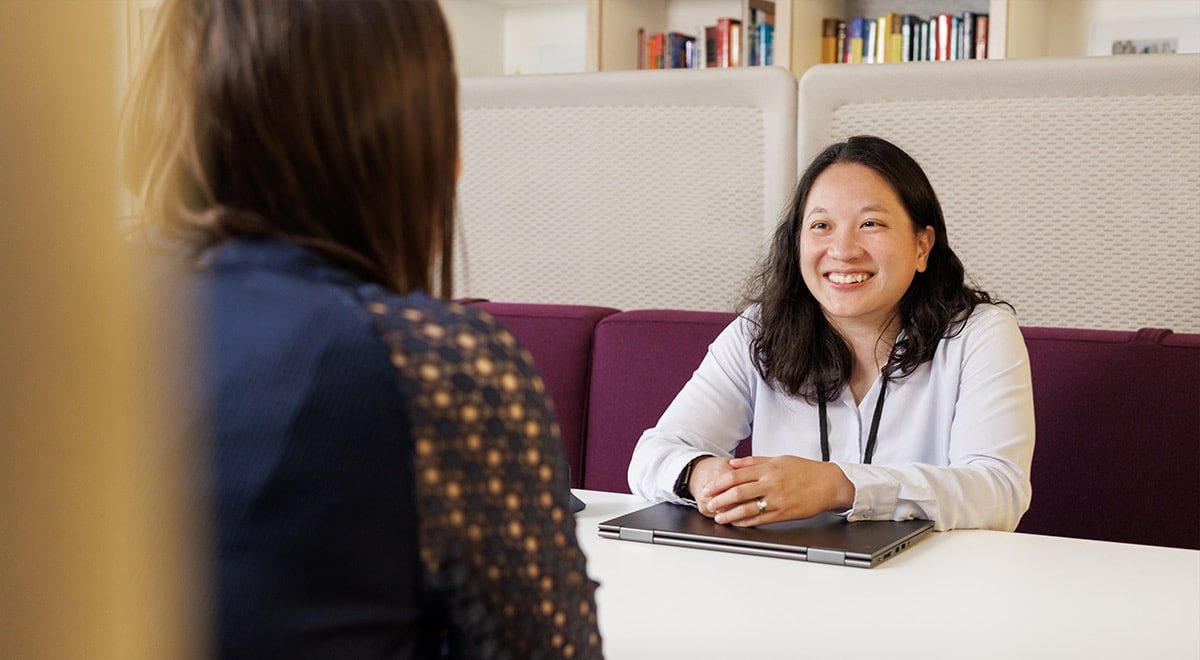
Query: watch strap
(685, 475)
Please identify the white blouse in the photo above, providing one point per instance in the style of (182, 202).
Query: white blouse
(955, 439)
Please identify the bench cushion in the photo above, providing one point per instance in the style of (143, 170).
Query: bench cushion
(640, 362)
(1118, 435)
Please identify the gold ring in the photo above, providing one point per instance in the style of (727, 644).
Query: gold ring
(762, 505)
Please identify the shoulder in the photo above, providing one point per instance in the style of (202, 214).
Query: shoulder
(988, 319)
(417, 320)
(746, 325)
(990, 330)
(444, 345)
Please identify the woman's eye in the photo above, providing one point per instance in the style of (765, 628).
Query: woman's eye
(818, 226)
(871, 223)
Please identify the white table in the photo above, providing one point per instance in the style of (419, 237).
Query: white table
(961, 594)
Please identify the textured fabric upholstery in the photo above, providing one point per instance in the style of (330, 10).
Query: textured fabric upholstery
(1118, 436)
(630, 189)
(559, 337)
(640, 362)
(1071, 186)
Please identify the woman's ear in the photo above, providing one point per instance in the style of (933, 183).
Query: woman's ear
(925, 239)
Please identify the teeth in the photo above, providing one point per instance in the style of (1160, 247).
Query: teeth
(840, 278)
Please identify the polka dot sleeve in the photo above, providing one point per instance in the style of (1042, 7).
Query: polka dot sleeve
(497, 539)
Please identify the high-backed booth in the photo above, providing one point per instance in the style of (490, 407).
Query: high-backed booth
(625, 189)
(1071, 189)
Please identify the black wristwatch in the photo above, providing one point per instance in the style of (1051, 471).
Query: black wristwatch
(681, 484)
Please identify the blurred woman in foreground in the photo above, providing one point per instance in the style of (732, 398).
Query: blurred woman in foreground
(386, 473)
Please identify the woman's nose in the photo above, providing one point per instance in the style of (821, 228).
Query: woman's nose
(844, 245)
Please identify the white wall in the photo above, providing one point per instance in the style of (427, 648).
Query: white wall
(545, 38)
(497, 37)
(1111, 19)
(1071, 22)
(476, 28)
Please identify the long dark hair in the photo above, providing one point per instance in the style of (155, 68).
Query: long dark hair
(330, 124)
(794, 347)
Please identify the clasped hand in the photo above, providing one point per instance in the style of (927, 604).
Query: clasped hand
(728, 490)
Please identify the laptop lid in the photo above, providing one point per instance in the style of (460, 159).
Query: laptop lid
(826, 538)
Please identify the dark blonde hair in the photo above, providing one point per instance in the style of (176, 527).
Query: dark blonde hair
(330, 124)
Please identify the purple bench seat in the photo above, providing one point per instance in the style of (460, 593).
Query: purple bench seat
(640, 361)
(1118, 413)
(1118, 435)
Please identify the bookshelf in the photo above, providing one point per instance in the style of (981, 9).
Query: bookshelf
(806, 35)
(605, 31)
(613, 25)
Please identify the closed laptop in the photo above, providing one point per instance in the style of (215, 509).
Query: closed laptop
(826, 538)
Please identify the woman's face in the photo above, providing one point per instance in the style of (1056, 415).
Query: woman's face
(858, 249)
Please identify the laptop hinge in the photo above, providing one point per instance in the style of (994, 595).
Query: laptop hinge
(641, 535)
(835, 557)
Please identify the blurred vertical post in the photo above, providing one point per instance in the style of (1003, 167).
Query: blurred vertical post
(97, 543)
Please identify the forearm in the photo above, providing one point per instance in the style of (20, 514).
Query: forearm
(987, 494)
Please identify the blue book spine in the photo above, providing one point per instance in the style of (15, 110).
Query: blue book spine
(766, 44)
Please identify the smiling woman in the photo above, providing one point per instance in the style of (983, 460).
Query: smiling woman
(860, 301)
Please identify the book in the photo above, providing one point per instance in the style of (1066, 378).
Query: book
(925, 41)
(751, 45)
(691, 57)
(906, 38)
(895, 40)
(955, 37)
(765, 45)
(981, 36)
(841, 42)
(729, 37)
(945, 36)
(870, 35)
(967, 48)
(931, 51)
(735, 43)
(854, 41)
(710, 47)
(675, 50)
(654, 51)
(641, 48)
(829, 30)
(881, 39)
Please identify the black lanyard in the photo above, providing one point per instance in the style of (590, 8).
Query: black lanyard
(870, 436)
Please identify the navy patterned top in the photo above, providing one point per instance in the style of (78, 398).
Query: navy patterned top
(388, 479)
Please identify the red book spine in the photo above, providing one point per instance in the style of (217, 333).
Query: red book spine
(723, 42)
(944, 27)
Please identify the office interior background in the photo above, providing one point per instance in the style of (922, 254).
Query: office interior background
(97, 530)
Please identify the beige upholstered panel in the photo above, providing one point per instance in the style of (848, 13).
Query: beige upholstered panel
(631, 189)
(1071, 186)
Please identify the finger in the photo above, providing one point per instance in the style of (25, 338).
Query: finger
(728, 480)
(736, 495)
(747, 461)
(739, 515)
(758, 516)
(753, 521)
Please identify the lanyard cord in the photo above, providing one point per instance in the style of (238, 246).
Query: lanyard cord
(870, 436)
